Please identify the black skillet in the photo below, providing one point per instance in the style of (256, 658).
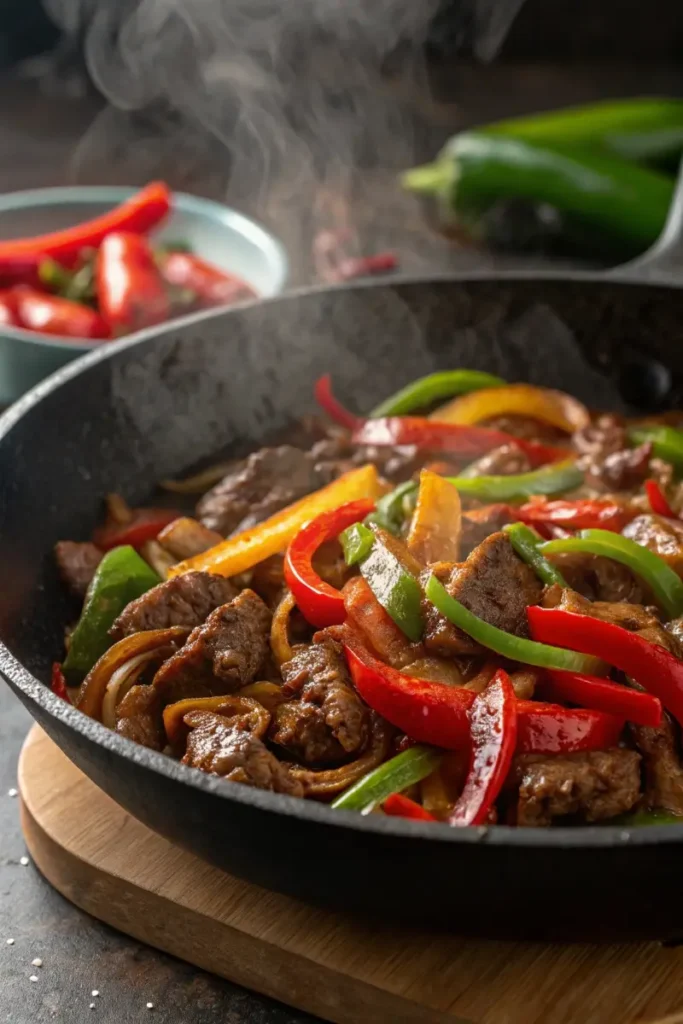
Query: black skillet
(130, 414)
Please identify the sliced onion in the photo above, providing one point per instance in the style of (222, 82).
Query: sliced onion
(186, 537)
(437, 521)
(199, 482)
(279, 630)
(333, 780)
(268, 694)
(250, 713)
(118, 510)
(120, 683)
(95, 683)
(154, 555)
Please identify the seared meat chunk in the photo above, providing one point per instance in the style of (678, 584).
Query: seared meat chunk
(525, 427)
(139, 717)
(660, 749)
(590, 787)
(77, 563)
(261, 485)
(663, 536)
(328, 722)
(608, 461)
(503, 461)
(480, 523)
(222, 654)
(216, 747)
(181, 601)
(495, 585)
(598, 578)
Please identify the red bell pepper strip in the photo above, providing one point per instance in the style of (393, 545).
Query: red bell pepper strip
(8, 309)
(399, 806)
(146, 524)
(51, 314)
(602, 695)
(321, 604)
(493, 722)
(211, 286)
(658, 502)
(577, 515)
(332, 406)
(652, 666)
(58, 683)
(364, 266)
(139, 214)
(438, 714)
(130, 291)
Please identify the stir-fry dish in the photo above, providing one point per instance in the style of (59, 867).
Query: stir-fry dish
(465, 607)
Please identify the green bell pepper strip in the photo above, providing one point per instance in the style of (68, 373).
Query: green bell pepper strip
(639, 819)
(424, 392)
(647, 129)
(667, 442)
(395, 588)
(393, 776)
(664, 583)
(526, 542)
(625, 203)
(390, 511)
(557, 478)
(516, 648)
(121, 576)
(356, 542)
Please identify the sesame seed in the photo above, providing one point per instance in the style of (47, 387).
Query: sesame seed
(150, 1006)
(34, 977)
(12, 792)
(37, 962)
(95, 992)
(23, 861)
(92, 1006)
(10, 942)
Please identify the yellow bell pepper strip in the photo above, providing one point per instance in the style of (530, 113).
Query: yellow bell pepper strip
(356, 541)
(667, 442)
(544, 404)
(516, 648)
(557, 478)
(664, 583)
(121, 576)
(244, 550)
(399, 773)
(424, 392)
(526, 542)
(434, 534)
(394, 585)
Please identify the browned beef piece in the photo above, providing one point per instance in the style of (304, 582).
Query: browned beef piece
(336, 455)
(222, 654)
(77, 563)
(587, 787)
(480, 523)
(608, 461)
(503, 461)
(525, 427)
(663, 536)
(261, 485)
(599, 579)
(495, 585)
(139, 717)
(215, 747)
(184, 600)
(328, 722)
(660, 749)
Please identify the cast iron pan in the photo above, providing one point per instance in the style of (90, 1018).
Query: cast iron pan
(132, 413)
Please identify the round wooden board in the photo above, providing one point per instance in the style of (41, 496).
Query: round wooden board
(112, 866)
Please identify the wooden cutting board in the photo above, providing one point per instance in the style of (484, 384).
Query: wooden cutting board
(110, 865)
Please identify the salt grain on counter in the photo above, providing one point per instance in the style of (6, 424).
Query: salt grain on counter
(95, 992)
(92, 1006)
(37, 962)
(23, 861)
(12, 792)
(150, 1006)
(10, 942)
(34, 977)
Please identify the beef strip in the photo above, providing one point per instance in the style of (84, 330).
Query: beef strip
(503, 461)
(525, 427)
(660, 749)
(480, 523)
(609, 463)
(663, 536)
(328, 722)
(216, 747)
(77, 563)
(599, 579)
(139, 717)
(184, 600)
(493, 584)
(591, 786)
(222, 654)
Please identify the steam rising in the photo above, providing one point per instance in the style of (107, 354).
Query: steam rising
(288, 103)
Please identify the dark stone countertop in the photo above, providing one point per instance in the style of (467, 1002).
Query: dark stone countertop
(40, 129)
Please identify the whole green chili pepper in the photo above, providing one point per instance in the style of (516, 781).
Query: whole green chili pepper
(356, 542)
(667, 442)
(664, 583)
(391, 511)
(396, 589)
(525, 541)
(516, 648)
(424, 392)
(622, 201)
(121, 577)
(645, 129)
(557, 478)
(393, 776)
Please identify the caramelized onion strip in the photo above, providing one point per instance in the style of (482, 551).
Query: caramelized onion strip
(325, 783)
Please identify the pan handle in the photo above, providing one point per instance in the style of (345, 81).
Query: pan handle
(663, 261)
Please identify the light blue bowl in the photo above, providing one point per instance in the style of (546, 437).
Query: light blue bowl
(215, 232)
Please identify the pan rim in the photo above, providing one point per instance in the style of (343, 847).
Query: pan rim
(583, 837)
